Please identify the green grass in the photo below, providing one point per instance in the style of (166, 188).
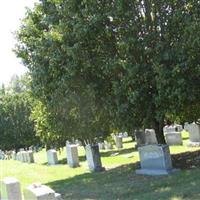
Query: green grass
(118, 181)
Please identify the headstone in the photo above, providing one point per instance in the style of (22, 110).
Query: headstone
(72, 155)
(30, 157)
(93, 158)
(10, 189)
(186, 125)
(79, 143)
(39, 192)
(52, 157)
(58, 196)
(194, 134)
(101, 145)
(108, 145)
(14, 155)
(150, 136)
(24, 156)
(140, 137)
(172, 128)
(155, 160)
(118, 141)
(179, 127)
(173, 138)
(18, 157)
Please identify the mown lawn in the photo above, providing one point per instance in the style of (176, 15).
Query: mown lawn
(118, 181)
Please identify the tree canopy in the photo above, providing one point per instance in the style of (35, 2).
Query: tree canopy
(16, 127)
(103, 65)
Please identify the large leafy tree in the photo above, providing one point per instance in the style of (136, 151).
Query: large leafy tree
(134, 62)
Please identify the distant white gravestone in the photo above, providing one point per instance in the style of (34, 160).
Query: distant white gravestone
(52, 157)
(119, 141)
(155, 160)
(30, 156)
(173, 138)
(10, 189)
(72, 155)
(194, 134)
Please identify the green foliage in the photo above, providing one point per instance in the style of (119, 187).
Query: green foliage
(16, 127)
(113, 64)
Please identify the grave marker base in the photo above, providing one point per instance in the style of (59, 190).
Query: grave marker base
(153, 172)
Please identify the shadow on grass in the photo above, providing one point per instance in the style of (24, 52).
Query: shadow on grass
(101, 185)
(186, 160)
(64, 160)
(122, 183)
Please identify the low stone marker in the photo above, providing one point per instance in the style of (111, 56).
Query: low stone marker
(155, 160)
(173, 138)
(101, 145)
(194, 134)
(93, 158)
(108, 145)
(10, 189)
(72, 155)
(118, 141)
(40, 192)
(52, 157)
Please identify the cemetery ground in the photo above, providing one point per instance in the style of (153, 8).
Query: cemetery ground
(119, 181)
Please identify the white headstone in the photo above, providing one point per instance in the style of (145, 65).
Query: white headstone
(39, 192)
(30, 157)
(52, 157)
(58, 196)
(101, 145)
(24, 156)
(118, 141)
(14, 155)
(108, 145)
(150, 136)
(10, 189)
(194, 131)
(72, 155)
(173, 138)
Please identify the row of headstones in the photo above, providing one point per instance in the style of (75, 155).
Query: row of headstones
(155, 159)
(11, 190)
(92, 156)
(23, 156)
(118, 143)
(172, 135)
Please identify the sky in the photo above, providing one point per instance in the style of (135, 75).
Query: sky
(11, 11)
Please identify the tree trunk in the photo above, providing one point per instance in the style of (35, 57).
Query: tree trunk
(158, 126)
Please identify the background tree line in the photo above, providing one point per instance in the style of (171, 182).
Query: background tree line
(16, 126)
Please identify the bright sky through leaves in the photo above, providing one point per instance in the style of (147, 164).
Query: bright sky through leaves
(11, 11)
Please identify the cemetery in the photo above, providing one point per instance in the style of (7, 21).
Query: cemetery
(107, 106)
(71, 176)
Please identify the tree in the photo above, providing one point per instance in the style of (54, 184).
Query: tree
(137, 59)
(16, 127)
